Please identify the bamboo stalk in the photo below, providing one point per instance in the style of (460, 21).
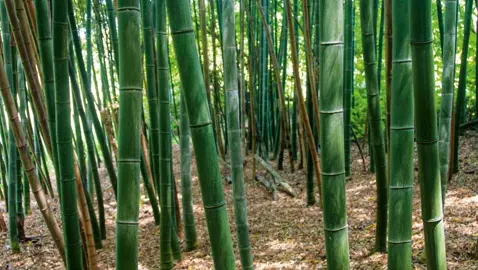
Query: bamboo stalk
(280, 91)
(31, 74)
(298, 88)
(85, 217)
(421, 40)
(28, 164)
(331, 134)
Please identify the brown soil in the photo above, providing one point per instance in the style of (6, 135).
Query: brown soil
(285, 234)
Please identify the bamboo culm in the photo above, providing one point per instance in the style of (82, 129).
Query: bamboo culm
(129, 141)
(234, 134)
(373, 105)
(401, 143)
(190, 236)
(421, 40)
(68, 191)
(201, 132)
(331, 134)
(448, 78)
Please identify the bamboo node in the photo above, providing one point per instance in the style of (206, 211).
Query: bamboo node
(336, 229)
(215, 206)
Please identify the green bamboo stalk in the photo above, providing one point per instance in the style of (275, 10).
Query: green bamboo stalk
(45, 166)
(441, 32)
(284, 124)
(263, 86)
(113, 32)
(151, 86)
(4, 187)
(12, 193)
(105, 83)
(12, 151)
(167, 232)
(23, 115)
(217, 110)
(71, 229)
(448, 85)
(202, 134)
(190, 236)
(421, 40)
(460, 105)
(164, 160)
(348, 79)
(80, 148)
(150, 190)
(4, 128)
(294, 106)
(20, 217)
(373, 104)
(234, 133)
(90, 147)
(175, 212)
(46, 55)
(380, 45)
(89, 45)
(109, 58)
(100, 135)
(388, 75)
(242, 75)
(331, 134)
(129, 145)
(401, 143)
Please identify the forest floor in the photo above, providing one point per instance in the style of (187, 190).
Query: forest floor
(285, 234)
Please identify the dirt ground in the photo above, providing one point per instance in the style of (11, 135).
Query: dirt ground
(285, 234)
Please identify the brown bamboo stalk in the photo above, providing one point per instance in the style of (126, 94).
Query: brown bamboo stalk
(31, 74)
(300, 96)
(310, 64)
(28, 164)
(280, 92)
(32, 16)
(300, 138)
(30, 7)
(85, 218)
(83, 239)
(109, 124)
(28, 35)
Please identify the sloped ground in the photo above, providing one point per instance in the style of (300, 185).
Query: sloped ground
(285, 234)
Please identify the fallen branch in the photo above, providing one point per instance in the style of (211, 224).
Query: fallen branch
(472, 171)
(284, 186)
(269, 185)
(469, 124)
